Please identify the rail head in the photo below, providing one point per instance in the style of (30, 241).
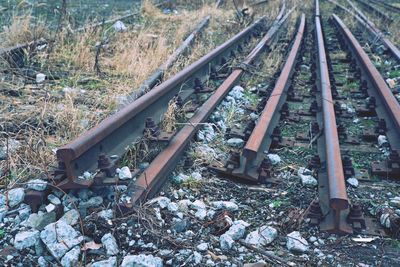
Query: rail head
(256, 139)
(337, 187)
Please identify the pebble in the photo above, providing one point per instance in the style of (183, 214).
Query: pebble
(37, 184)
(110, 244)
(201, 214)
(106, 214)
(124, 173)
(296, 243)
(382, 141)
(26, 239)
(198, 204)
(173, 207)
(237, 229)
(228, 205)
(226, 242)
(141, 260)
(181, 178)
(71, 258)
(180, 225)
(235, 142)
(306, 178)
(162, 202)
(40, 77)
(42, 262)
(197, 258)
(274, 158)
(54, 200)
(262, 236)
(71, 217)
(119, 26)
(202, 247)
(16, 196)
(50, 207)
(352, 181)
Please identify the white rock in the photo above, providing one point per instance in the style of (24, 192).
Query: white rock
(163, 202)
(235, 142)
(253, 116)
(119, 26)
(110, 244)
(296, 243)
(184, 205)
(382, 140)
(237, 229)
(37, 184)
(15, 196)
(385, 220)
(42, 262)
(71, 258)
(352, 181)
(237, 92)
(173, 207)
(225, 205)
(50, 207)
(141, 260)
(124, 173)
(202, 247)
(306, 178)
(181, 178)
(40, 77)
(201, 214)
(198, 204)
(110, 262)
(54, 200)
(262, 236)
(26, 239)
(106, 214)
(197, 258)
(196, 176)
(59, 237)
(226, 242)
(312, 239)
(274, 158)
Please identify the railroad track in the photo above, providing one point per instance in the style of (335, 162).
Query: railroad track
(101, 147)
(309, 108)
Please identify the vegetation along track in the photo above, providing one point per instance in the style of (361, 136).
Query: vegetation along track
(325, 119)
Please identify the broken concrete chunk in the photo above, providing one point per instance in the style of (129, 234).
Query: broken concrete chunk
(262, 236)
(296, 243)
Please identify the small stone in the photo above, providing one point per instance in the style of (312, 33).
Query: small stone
(110, 262)
(173, 207)
(235, 142)
(202, 247)
(312, 239)
(352, 181)
(163, 202)
(226, 242)
(274, 158)
(391, 83)
(225, 205)
(106, 214)
(253, 116)
(237, 229)
(93, 202)
(180, 225)
(198, 204)
(71, 258)
(119, 26)
(197, 258)
(237, 92)
(201, 214)
(110, 244)
(306, 178)
(184, 205)
(71, 217)
(37, 184)
(382, 141)
(42, 262)
(141, 260)
(45, 219)
(54, 200)
(124, 173)
(50, 207)
(262, 236)
(296, 243)
(181, 178)
(16, 196)
(40, 77)
(26, 239)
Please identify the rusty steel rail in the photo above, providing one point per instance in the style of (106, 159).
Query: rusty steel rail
(335, 220)
(387, 105)
(373, 9)
(363, 20)
(101, 146)
(260, 138)
(151, 180)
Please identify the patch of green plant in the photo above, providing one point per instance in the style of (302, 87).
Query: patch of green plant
(1, 233)
(394, 74)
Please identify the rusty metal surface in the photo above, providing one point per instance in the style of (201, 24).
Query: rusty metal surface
(150, 181)
(259, 139)
(337, 188)
(115, 133)
(387, 105)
